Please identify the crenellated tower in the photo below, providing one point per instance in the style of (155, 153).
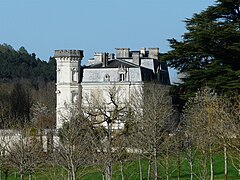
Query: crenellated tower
(68, 66)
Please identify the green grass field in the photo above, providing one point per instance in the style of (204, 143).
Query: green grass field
(131, 171)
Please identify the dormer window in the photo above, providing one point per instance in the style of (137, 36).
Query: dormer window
(122, 71)
(121, 77)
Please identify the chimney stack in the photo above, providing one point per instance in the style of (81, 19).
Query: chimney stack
(104, 59)
(122, 52)
(136, 57)
(153, 53)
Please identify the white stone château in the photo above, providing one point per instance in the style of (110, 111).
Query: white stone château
(68, 63)
(126, 69)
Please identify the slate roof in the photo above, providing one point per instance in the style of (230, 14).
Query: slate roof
(115, 63)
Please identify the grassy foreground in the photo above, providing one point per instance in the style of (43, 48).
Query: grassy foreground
(131, 171)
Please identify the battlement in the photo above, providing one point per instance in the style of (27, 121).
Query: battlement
(69, 53)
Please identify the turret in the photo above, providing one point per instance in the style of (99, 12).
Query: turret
(68, 65)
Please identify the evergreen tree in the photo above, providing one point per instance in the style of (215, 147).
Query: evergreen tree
(209, 53)
(22, 65)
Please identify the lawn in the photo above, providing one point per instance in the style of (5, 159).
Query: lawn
(131, 171)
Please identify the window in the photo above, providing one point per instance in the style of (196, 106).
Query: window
(121, 77)
(122, 73)
(107, 77)
(58, 74)
(74, 97)
(74, 75)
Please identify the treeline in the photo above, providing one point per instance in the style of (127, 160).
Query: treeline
(19, 64)
(18, 100)
(25, 81)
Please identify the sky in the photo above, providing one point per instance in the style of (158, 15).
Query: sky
(42, 26)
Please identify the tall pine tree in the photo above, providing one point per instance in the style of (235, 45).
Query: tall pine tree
(209, 53)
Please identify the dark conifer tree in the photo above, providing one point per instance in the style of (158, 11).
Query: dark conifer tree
(209, 53)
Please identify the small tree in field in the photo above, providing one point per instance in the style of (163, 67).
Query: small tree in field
(24, 152)
(106, 110)
(212, 122)
(200, 116)
(4, 143)
(154, 122)
(227, 129)
(73, 149)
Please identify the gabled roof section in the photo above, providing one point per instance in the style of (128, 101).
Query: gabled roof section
(115, 63)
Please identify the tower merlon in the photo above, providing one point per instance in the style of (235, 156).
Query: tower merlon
(69, 53)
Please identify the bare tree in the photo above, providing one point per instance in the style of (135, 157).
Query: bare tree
(154, 124)
(73, 149)
(227, 128)
(190, 150)
(44, 121)
(24, 152)
(107, 110)
(200, 115)
(212, 121)
(4, 143)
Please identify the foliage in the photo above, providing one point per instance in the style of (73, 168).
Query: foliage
(210, 50)
(24, 80)
(21, 102)
(20, 64)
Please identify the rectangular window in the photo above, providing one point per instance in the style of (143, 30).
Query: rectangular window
(74, 76)
(122, 77)
(74, 97)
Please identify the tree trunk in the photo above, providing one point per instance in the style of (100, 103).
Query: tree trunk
(140, 168)
(73, 174)
(108, 171)
(41, 139)
(30, 176)
(167, 173)
(1, 171)
(69, 175)
(211, 163)
(22, 176)
(149, 168)
(49, 147)
(225, 163)
(179, 168)
(190, 160)
(155, 164)
(108, 164)
(204, 168)
(6, 175)
(122, 170)
(191, 169)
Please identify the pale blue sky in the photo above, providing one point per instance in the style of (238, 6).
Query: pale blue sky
(42, 26)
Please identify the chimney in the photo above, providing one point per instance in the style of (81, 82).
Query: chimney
(136, 57)
(153, 53)
(142, 52)
(104, 59)
(111, 56)
(122, 52)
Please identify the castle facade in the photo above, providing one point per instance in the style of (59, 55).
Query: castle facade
(126, 69)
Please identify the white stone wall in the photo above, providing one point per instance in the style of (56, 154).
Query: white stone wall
(67, 85)
(95, 91)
